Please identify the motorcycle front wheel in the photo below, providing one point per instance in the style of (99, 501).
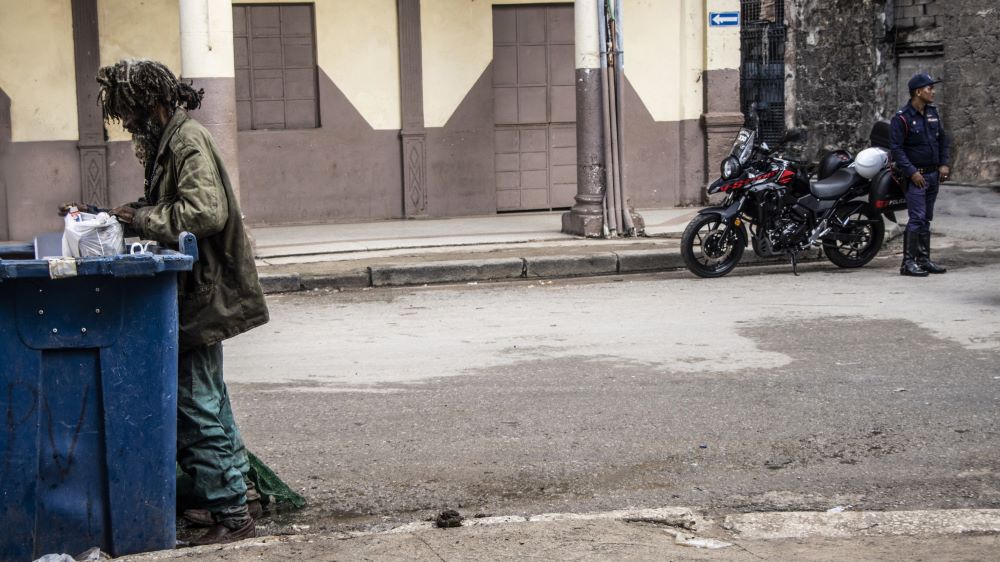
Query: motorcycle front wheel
(859, 240)
(707, 251)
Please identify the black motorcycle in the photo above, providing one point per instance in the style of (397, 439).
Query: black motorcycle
(786, 213)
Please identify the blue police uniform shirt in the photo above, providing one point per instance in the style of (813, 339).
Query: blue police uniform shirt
(918, 141)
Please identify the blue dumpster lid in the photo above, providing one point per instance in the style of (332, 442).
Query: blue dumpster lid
(125, 265)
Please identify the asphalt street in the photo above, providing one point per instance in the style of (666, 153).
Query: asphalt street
(760, 391)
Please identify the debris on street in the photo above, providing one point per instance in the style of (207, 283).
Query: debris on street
(449, 518)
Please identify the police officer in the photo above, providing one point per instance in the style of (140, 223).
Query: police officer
(920, 149)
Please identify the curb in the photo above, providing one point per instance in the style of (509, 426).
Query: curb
(545, 267)
(803, 524)
(501, 269)
(680, 517)
(456, 271)
(280, 283)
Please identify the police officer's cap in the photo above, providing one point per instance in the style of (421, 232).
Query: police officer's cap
(920, 80)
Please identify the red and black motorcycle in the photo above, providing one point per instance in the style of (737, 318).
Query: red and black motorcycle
(784, 211)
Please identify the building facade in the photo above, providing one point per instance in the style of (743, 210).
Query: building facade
(339, 110)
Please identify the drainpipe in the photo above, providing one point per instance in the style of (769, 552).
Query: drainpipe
(586, 218)
(628, 226)
(610, 204)
(207, 59)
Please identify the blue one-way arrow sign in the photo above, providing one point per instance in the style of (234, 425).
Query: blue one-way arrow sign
(723, 19)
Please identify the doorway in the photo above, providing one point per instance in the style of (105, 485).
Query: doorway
(534, 107)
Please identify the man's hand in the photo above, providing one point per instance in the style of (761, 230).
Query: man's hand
(918, 180)
(82, 207)
(124, 213)
(945, 171)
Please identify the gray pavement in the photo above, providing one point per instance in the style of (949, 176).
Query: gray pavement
(530, 245)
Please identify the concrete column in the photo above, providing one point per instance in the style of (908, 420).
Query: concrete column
(586, 218)
(92, 148)
(722, 117)
(207, 60)
(413, 135)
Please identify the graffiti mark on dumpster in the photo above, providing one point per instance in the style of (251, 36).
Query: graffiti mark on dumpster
(64, 470)
(13, 421)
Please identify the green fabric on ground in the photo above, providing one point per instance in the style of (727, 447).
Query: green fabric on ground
(270, 487)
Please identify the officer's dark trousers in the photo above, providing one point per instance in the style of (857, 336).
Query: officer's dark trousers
(209, 446)
(920, 203)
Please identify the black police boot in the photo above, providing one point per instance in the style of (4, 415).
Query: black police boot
(910, 249)
(924, 255)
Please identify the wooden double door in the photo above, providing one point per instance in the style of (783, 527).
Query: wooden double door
(534, 107)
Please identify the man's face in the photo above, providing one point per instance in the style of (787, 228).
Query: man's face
(140, 122)
(926, 94)
(146, 129)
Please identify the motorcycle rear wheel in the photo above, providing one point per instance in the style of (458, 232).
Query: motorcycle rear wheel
(709, 253)
(856, 253)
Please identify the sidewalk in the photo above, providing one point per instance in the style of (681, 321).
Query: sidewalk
(671, 533)
(526, 246)
(454, 250)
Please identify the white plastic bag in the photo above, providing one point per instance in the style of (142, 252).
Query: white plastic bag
(92, 235)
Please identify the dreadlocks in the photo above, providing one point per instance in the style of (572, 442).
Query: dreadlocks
(129, 86)
(131, 90)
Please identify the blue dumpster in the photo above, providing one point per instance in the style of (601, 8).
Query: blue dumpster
(88, 394)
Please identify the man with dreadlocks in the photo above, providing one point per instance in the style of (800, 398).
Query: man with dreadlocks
(187, 189)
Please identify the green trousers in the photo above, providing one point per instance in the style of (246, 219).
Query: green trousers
(209, 446)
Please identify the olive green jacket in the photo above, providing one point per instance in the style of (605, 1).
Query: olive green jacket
(188, 189)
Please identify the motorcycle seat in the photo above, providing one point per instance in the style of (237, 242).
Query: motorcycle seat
(836, 185)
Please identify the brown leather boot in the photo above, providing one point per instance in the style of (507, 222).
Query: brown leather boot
(203, 517)
(198, 517)
(220, 534)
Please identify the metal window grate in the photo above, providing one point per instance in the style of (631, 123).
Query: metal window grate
(762, 65)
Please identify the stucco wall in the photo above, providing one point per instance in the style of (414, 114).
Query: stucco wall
(722, 44)
(344, 170)
(39, 163)
(358, 48)
(665, 56)
(349, 167)
(138, 30)
(37, 69)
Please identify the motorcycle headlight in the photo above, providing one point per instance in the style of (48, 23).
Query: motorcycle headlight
(730, 168)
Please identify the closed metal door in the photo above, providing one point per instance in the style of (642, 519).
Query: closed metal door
(534, 107)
